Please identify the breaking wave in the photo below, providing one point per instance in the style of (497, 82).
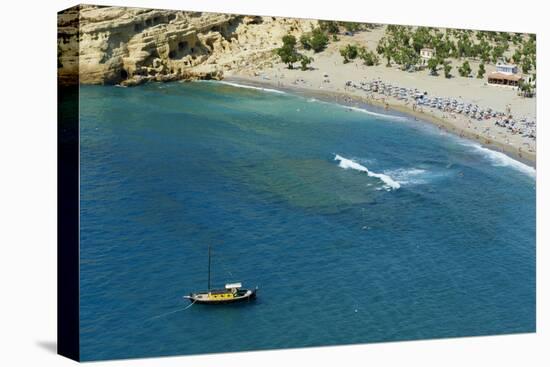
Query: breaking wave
(499, 159)
(410, 176)
(386, 116)
(345, 163)
(237, 85)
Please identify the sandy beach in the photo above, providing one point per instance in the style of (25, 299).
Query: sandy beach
(328, 77)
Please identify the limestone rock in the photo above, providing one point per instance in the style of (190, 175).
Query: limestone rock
(109, 45)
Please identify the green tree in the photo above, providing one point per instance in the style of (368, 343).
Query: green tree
(407, 57)
(529, 48)
(388, 56)
(444, 46)
(504, 36)
(305, 41)
(351, 26)
(305, 61)
(388, 48)
(464, 46)
(465, 69)
(329, 26)
(497, 53)
(480, 35)
(526, 65)
(289, 40)
(526, 89)
(421, 38)
(481, 71)
(369, 57)
(318, 40)
(349, 53)
(432, 65)
(287, 52)
(382, 45)
(484, 51)
(517, 56)
(447, 69)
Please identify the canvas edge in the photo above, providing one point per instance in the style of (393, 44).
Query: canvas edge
(68, 232)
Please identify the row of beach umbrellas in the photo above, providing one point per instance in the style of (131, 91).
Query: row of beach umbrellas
(452, 105)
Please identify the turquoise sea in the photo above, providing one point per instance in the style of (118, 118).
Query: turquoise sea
(357, 225)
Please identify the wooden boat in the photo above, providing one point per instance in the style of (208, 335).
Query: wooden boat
(231, 293)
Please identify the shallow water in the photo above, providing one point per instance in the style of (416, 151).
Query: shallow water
(410, 234)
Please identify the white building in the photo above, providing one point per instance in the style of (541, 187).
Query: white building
(506, 68)
(425, 55)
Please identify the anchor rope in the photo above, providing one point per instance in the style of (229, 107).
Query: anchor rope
(172, 312)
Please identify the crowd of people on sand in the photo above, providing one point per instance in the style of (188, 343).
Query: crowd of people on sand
(420, 99)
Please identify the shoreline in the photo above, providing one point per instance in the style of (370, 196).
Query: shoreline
(347, 98)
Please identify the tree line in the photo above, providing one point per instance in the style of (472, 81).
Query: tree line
(402, 45)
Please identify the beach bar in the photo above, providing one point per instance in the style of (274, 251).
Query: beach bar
(506, 74)
(498, 78)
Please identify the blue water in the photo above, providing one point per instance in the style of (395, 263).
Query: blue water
(340, 256)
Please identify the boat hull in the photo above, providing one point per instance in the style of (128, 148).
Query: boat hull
(248, 296)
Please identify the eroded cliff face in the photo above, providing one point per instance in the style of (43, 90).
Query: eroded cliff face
(109, 45)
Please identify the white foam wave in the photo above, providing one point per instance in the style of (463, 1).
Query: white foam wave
(345, 163)
(383, 115)
(237, 85)
(408, 176)
(499, 159)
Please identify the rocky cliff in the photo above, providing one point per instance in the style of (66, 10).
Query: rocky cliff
(109, 45)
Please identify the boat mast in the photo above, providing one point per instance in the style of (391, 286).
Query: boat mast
(209, 268)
